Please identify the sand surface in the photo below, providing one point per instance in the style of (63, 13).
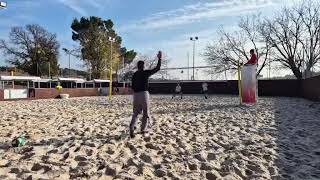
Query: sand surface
(193, 138)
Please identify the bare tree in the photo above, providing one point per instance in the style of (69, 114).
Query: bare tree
(32, 49)
(294, 34)
(309, 13)
(225, 53)
(284, 32)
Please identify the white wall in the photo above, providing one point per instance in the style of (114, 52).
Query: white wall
(15, 93)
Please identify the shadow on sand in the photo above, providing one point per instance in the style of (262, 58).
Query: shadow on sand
(198, 108)
(298, 139)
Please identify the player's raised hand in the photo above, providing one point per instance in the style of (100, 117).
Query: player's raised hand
(159, 55)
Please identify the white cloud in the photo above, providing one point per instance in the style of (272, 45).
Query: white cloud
(98, 3)
(81, 6)
(198, 12)
(75, 5)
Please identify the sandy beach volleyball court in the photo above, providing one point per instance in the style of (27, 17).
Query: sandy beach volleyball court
(193, 138)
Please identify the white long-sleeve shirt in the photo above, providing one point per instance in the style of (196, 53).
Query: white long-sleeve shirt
(204, 86)
(178, 88)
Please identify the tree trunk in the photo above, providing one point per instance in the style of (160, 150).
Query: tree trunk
(296, 71)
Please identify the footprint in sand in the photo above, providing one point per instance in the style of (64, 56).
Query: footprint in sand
(193, 165)
(54, 151)
(83, 163)
(65, 156)
(89, 152)
(160, 172)
(15, 170)
(152, 146)
(132, 149)
(38, 167)
(110, 151)
(80, 158)
(27, 155)
(132, 162)
(146, 158)
(112, 170)
(77, 149)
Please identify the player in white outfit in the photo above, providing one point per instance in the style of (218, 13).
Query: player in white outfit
(178, 90)
(205, 89)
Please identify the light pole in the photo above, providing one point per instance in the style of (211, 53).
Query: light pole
(112, 40)
(40, 52)
(90, 74)
(122, 65)
(123, 74)
(3, 4)
(37, 68)
(269, 69)
(197, 73)
(69, 66)
(68, 52)
(194, 39)
(49, 69)
(188, 66)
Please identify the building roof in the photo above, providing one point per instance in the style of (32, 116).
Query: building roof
(38, 79)
(76, 80)
(42, 80)
(185, 81)
(101, 80)
(19, 78)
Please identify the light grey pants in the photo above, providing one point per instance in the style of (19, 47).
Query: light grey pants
(141, 104)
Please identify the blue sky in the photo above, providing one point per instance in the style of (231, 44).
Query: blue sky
(145, 25)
